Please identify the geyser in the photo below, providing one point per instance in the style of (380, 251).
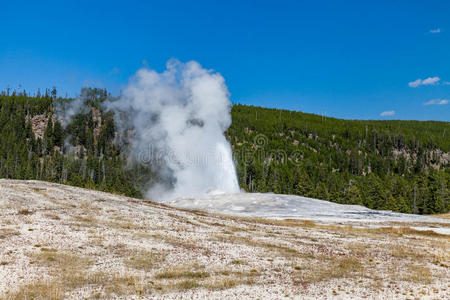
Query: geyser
(177, 120)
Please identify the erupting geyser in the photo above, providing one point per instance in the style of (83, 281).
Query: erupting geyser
(178, 119)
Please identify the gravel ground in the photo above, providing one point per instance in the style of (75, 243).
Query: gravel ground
(59, 242)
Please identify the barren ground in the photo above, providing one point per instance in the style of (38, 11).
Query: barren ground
(64, 242)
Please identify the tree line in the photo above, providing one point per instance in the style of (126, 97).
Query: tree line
(397, 165)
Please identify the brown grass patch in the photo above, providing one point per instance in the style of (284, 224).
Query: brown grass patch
(8, 232)
(238, 262)
(182, 219)
(124, 225)
(192, 277)
(339, 268)
(59, 261)
(52, 216)
(214, 224)
(417, 274)
(55, 288)
(42, 289)
(442, 216)
(405, 231)
(181, 272)
(405, 252)
(88, 220)
(186, 285)
(187, 245)
(71, 272)
(283, 223)
(358, 249)
(144, 260)
(395, 231)
(25, 212)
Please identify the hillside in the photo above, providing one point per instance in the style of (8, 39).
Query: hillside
(395, 165)
(59, 241)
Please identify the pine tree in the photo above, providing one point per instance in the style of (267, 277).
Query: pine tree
(353, 195)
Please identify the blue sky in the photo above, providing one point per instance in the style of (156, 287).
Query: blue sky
(347, 59)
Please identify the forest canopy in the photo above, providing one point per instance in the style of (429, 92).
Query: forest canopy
(396, 165)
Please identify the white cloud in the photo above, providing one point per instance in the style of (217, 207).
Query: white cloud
(431, 80)
(415, 83)
(387, 113)
(426, 81)
(437, 102)
(437, 30)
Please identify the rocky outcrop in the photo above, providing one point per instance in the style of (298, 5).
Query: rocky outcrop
(39, 124)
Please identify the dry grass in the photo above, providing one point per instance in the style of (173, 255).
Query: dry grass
(401, 251)
(417, 274)
(238, 262)
(144, 260)
(395, 231)
(441, 258)
(209, 223)
(142, 235)
(405, 231)
(182, 219)
(184, 271)
(230, 279)
(42, 289)
(25, 211)
(8, 232)
(358, 249)
(348, 266)
(59, 261)
(89, 220)
(97, 240)
(188, 245)
(70, 272)
(117, 284)
(189, 277)
(52, 216)
(182, 277)
(442, 216)
(339, 268)
(399, 231)
(56, 288)
(177, 286)
(124, 225)
(283, 223)
(186, 285)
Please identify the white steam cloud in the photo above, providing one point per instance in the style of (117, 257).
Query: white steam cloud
(66, 110)
(175, 121)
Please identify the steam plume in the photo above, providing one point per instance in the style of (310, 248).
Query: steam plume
(177, 120)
